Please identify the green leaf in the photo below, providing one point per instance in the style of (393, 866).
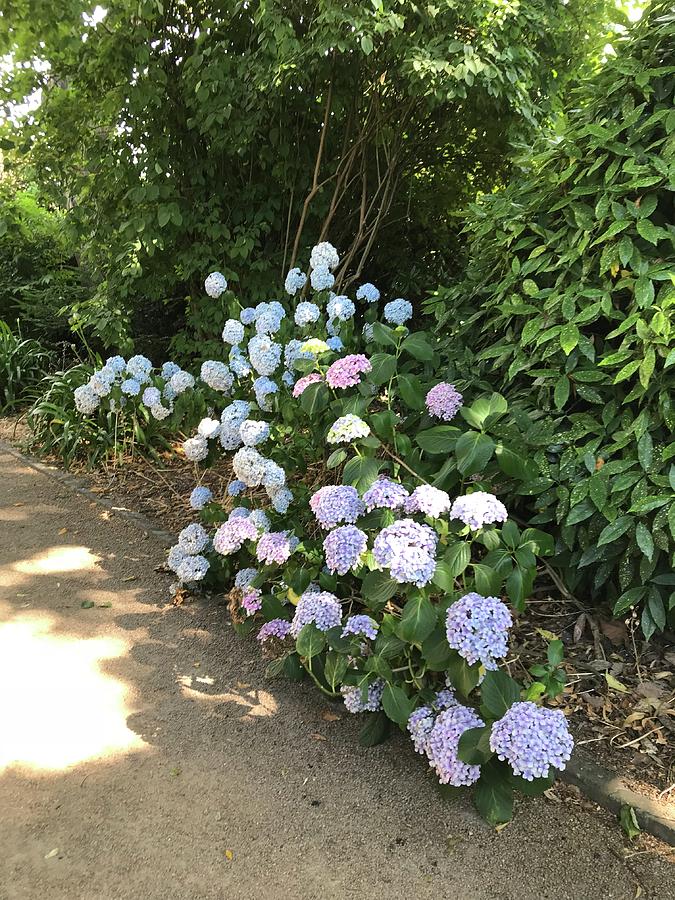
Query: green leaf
(397, 705)
(515, 465)
(615, 530)
(491, 407)
(377, 588)
(499, 692)
(648, 231)
(534, 788)
(384, 335)
(486, 580)
(310, 642)
(457, 558)
(314, 399)
(417, 346)
(87, 604)
(474, 746)
(569, 337)
(361, 472)
(462, 676)
(417, 620)
(336, 458)
(644, 540)
(375, 730)
(493, 794)
(656, 608)
(367, 44)
(335, 669)
(436, 650)
(646, 451)
(473, 451)
(384, 366)
(562, 392)
(629, 822)
(411, 391)
(439, 439)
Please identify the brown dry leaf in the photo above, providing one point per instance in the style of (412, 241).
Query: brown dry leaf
(243, 685)
(318, 737)
(579, 627)
(129, 578)
(329, 716)
(229, 855)
(20, 503)
(63, 531)
(651, 689)
(615, 631)
(105, 515)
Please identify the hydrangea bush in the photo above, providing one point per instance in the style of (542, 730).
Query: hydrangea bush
(361, 537)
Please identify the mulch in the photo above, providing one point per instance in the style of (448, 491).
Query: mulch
(620, 691)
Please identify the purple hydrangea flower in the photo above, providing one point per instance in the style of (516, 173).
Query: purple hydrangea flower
(408, 550)
(354, 701)
(443, 741)
(420, 723)
(231, 535)
(337, 503)
(477, 628)
(275, 628)
(346, 372)
(361, 625)
(385, 494)
(443, 401)
(428, 500)
(532, 740)
(343, 548)
(478, 509)
(319, 607)
(251, 600)
(275, 547)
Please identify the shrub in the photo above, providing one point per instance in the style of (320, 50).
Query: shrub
(346, 553)
(23, 363)
(568, 307)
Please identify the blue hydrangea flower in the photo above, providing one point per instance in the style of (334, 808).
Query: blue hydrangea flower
(264, 388)
(235, 488)
(233, 332)
(168, 369)
(249, 466)
(200, 496)
(532, 740)
(139, 368)
(442, 743)
(295, 281)
(343, 548)
(193, 538)
(288, 378)
(264, 354)
(239, 363)
(192, 568)
(324, 254)
(196, 448)
(397, 312)
(335, 343)
(248, 315)
(319, 607)
(347, 429)
(281, 498)
(151, 396)
(268, 317)
(244, 577)
(117, 363)
(260, 520)
(130, 387)
(368, 292)
(181, 382)
(361, 626)
(353, 698)
(217, 375)
(293, 351)
(333, 504)
(101, 382)
(253, 432)
(408, 550)
(175, 557)
(340, 308)
(215, 284)
(477, 628)
(321, 279)
(428, 500)
(306, 313)
(385, 494)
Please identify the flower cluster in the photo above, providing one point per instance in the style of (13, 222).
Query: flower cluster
(334, 504)
(200, 496)
(385, 494)
(428, 500)
(477, 628)
(303, 383)
(443, 401)
(276, 547)
(361, 626)
(346, 372)
(398, 311)
(217, 375)
(408, 550)
(354, 700)
(215, 285)
(347, 429)
(532, 740)
(478, 509)
(185, 557)
(442, 744)
(344, 548)
(319, 607)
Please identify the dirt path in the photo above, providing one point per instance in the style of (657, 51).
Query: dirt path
(144, 755)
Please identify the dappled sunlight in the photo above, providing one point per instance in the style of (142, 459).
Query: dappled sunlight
(57, 707)
(11, 514)
(58, 559)
(255, 703)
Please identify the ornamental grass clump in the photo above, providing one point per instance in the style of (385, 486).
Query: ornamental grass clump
(368, 550)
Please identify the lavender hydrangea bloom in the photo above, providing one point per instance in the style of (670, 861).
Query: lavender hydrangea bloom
(444, 699)
(443, 741)
(275, 628)
(333, 504)
(532, 740)
(343, 548)
(420, 723)
(236, 487)
(428, 500)
(295, 281)
(215, 284)
(443, 401)
(193, 538)
(200, 496)
(346, 429)
(408, 550)
(354, 701)
(251, 600)
(478, 509)
(346, 372)
(361, 625)
(231, 535)
(244, 577)
(477, 628)
(192, 568)
(275, 547)
(398, 311)
(319, 607)
(233, 332)
(368, 292)
(196, 448)
(385, 494)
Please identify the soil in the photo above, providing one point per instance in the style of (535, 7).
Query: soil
(145, 753)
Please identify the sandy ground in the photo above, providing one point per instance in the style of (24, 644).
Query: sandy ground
(143, 754)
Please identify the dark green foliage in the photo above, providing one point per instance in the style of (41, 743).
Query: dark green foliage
(23, 362)
(568, 308)
(250, 130)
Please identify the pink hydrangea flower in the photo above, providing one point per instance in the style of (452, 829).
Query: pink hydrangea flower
(303, 383)
(346, 372)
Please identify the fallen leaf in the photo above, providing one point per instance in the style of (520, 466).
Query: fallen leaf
(547, 635)
(615, 631)
(52, 853)
(329, 716)
(318, 737)
(651, 689)
(129, 578)
(579, 627)
(20, 503)
(87, 604)
(229, 855)
(615, 684)
(243, 685)
(63, 530)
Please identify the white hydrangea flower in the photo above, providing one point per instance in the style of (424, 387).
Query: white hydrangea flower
(324, 254)
(209, 428)
(295, 281)
(196, 448)
(86, 400)
(306, 313)
(233, 332)
(215, 285)
(321, 279)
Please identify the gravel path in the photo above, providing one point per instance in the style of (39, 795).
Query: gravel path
(143, 754)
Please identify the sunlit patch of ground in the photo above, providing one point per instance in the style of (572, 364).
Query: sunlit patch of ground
(57, 707)
(58, 559)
